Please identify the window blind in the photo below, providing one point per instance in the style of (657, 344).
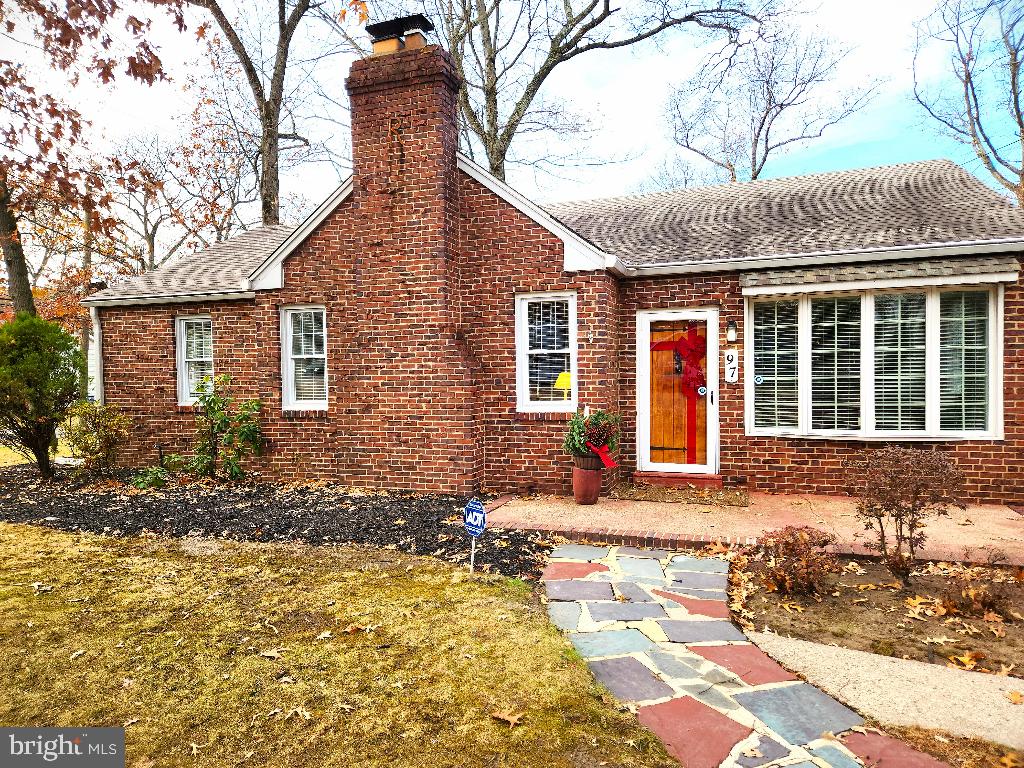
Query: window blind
(900, 362)
(776, 358)
(309, 357)
(835, 363)
(963, 360)
(198, 355)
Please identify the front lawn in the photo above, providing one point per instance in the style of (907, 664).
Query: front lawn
(223, 653)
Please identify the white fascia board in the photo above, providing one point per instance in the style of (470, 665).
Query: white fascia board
(853, 256)
(579, 255)
(869, 284)
(270, 274)
(129, 301)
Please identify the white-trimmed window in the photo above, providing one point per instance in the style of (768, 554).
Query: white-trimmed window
(904, 362)
(195, 357)
(546, 352)
(304, 364)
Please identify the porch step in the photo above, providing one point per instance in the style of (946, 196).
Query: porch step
(678, 480)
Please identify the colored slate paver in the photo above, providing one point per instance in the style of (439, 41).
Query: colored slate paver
(610, 642)
(767, 750)
(579, 552)
(638, 566)
(698, 631)
(575, 589)
(798, 713)
(654, 554)
(616, 611)
(752, 665)
(569, 570)
(700, 594)
(881, 751)
(628, 679)
(835, 757)
(698, 564)
(699, 580)
(672, 666)
(716, 609)
(692, 732)
(709, 694)
(632, 592)
(565, 616)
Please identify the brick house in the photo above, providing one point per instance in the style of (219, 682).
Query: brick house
(427, 327)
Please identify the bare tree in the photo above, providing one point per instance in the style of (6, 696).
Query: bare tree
(265, 67)
(506, 50)
(778, 93)
(982, 107)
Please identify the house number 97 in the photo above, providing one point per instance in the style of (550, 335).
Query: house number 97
(731, 359)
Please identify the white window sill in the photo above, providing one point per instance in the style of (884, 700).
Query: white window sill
(887, 437)
(569, 407)
(307, 406)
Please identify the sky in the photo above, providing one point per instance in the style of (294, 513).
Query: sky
(623, 92)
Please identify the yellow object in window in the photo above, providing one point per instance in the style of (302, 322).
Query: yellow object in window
(564, 383)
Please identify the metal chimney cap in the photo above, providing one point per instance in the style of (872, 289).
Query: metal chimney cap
(385, 30)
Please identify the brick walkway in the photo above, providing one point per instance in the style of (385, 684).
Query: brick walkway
(653, 627)
(964, 535)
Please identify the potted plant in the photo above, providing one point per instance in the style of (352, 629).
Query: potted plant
(591, 438)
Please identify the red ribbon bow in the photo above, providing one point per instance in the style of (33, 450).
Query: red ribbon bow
(604, 454)
(692, 350)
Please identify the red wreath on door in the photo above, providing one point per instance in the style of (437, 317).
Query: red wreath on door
(690, 352)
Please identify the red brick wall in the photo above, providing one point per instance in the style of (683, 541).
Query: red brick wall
(995, 469)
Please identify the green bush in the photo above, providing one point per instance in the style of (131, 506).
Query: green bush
(595, 427)
(41, 375)
(151, 477)
(95, 434)
(226, 432)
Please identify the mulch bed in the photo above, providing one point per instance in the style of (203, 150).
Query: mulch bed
(729, 497)
(934, 619)
(314, 513)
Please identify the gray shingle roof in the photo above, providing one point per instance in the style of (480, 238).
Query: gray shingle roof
(221, 268)
(885, 270)
(910, 204)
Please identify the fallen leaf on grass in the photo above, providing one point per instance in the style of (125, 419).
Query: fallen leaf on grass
(508, 716)
(131, 722)
(940, 640)
(1015, 697)
(76, 654)
(792, 608)
(302, 712)
(273, 653)
(326, 635)
(351, 629)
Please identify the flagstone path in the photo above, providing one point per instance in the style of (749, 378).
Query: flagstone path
(653, 627)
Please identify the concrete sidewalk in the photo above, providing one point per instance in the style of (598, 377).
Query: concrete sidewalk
(969, 535)
(906, 692)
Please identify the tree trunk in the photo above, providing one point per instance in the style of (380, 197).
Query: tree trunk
(42, 457)
(18, 284)
(270, 182)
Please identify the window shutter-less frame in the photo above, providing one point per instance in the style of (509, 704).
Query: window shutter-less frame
(305, 358)
(195, 357)
(913, 363)
(546, 352)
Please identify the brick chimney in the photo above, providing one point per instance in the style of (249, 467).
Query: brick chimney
(405, 200)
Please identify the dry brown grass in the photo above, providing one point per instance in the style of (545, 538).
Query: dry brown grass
(957, 751)
(169, 635)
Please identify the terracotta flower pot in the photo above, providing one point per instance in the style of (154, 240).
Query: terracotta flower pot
(586, 485)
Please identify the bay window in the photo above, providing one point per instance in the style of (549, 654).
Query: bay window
(906, 363)
(546, 352)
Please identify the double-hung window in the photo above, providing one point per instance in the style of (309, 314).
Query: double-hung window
(304, 364)
(195, 357)
(889, 363)
(546, 352)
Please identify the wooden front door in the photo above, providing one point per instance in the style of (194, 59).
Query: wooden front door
(677, 379)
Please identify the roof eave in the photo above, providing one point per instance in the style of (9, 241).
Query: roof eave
(850, 256)
(178, 298)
